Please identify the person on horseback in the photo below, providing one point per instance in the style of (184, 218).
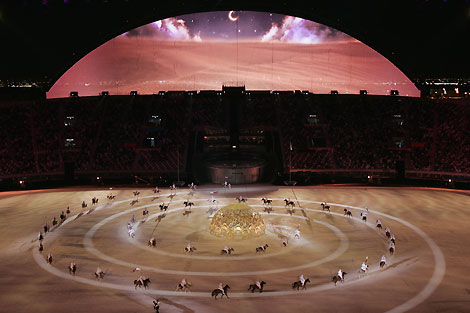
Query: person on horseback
(364, 267)
(183, 282)
(383, 261)
(226, 249)
(188, 247)
(49, 258)
(378, 223)
(156, 305)
(340, 274)
(221, 288)
(98, 271)
(392, 238)
(297, 233)
(258, 284)
(302, 279)
(40, 237)
(68, 210)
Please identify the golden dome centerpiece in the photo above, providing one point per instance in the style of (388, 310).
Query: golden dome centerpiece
(237, 221)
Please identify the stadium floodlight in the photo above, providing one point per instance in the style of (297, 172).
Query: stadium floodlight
(334, 92)
(133, 93)
(104, 93)
(394, 92)
(74, 94)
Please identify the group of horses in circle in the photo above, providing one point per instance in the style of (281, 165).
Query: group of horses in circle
(143, 282)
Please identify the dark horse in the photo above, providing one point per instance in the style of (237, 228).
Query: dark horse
(72, 269)
(347, 212)
(138, 283)
(289, 203)
(230, 250)
(298, 284)
(267, 201)
(254, 287)
(216, 292)
(187, 203)
(325, 207)
(262, 248)
(391, 250)
(163, 207)
(336, 278)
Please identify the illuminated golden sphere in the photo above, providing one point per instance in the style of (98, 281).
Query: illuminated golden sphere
(237, 221)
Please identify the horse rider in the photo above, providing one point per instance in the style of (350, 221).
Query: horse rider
(366, 260)
(156, 305)
(364, 267)
(68, 210)
(156, 190)
(387, 230)
(297, 234)
(49, 258)
(188, 247)
(98, 271)
(40, 237)
(383, 259)
(72, 265)
(378, 223)
(340, 274)
(183, 283)
(302, 279)
(392, 238)
(226, 249)
(221, 288)
(392, 245)
(258, 284)
(364, 215)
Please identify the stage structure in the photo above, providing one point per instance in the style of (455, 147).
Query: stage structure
(237, 222)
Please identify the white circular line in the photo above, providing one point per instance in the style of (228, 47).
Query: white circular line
(88, 243)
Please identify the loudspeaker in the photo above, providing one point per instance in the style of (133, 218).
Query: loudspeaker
(69, 171)
(400, 170)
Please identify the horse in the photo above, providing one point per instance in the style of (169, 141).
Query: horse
(267, 201)
(62, 216)
(241, 199)
(325, 207)
(139, 283)
(41, 247)
(190, 250)
(84, 205)
(163, 207)
(99, 275)
(49, 258)
(347, 212)
(188, 203)
(152, 242)
(289, 203)
(54, 221)
(217, 291)
(379, 226)
(254, 287)
(134, 201)
(94, 200)
(145, 212)
(72, 269)
(387, 233)
(156, 190)
(298, 284)
(184, 288)
(391, 250)
(230, 250)
(382, 264)
(136, 193)
(336, 278)
(262, 248)
(364, 217)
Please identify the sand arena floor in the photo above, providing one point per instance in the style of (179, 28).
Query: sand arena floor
(428, 272)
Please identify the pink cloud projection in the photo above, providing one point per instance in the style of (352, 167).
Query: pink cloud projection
(263, 51)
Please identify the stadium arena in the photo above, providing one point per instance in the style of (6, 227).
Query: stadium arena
(203, 159)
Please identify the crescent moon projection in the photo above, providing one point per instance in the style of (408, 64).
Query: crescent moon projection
(231, 17)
